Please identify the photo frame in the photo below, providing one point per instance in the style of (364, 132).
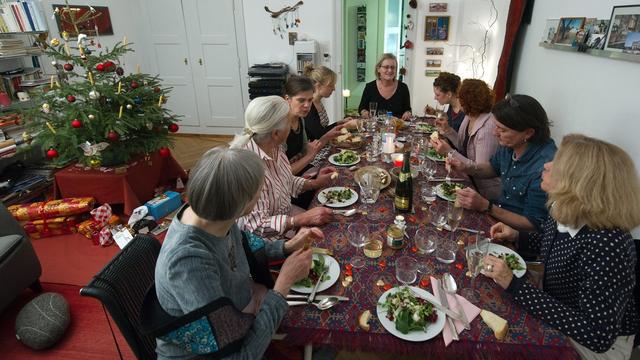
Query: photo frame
(438, 7)
(432, 73)
(623, 34)
(550, 30)
(102, 22)
(567, 30)
(435, 51)
(436, 28)
(434, 63)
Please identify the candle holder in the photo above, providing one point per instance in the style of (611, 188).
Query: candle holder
(346, 93)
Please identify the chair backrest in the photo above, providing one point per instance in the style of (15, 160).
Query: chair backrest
(9, 225)
(121, 287)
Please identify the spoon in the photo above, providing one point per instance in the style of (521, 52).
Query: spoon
(323, 304)
(450, 287)
(345, 212)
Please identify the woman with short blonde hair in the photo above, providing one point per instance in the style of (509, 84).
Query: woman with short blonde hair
(588, 253)
(386, 91)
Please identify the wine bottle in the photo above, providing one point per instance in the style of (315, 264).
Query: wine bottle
(403, 199)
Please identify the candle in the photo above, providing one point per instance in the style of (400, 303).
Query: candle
(388, 146)
(397, 160)
(120, 113)
(51, 86)
(124, 41)
(51, 127)
(66, 49)
(90, 77)
(160, 101)
(119, 87)
(138, 69)
(346, 93)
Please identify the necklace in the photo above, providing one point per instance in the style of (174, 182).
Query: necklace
(513, 156)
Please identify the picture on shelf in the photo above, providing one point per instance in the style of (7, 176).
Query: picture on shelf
(434, 63)
(596, 31)
(438, 7)
(550, 30)
(567, 30)
(435, 51)
(624, 23)
(432, 73)
(437, 28)
(102, 22)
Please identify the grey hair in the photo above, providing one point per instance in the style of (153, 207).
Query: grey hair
(263, 116)
(223, 182)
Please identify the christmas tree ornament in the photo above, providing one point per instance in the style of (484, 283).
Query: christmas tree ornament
(164, 152)
(91, 117)
(120, 112)
(173, 127)
(52, 153)
(160, 101)
(83, 57)
(90, 77)
(129, 106)
(46, 108)
(157, 89)
(65, 35)
(76, 123)
(54, 42)
(54, 63)
(113, 136)
(93, 95)
(68, 67)
(71, 98)
(108, 100)
(119, 71)
(150, 126)
(137, 100)
(109, 66)
(95, 162)
(87, 51)
(119, 87)
(100, 67)
(134, 84)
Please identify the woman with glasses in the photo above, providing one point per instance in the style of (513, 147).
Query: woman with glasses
(475, 142)
(588, 253)
(445, 92)
(390, 94)
(522, 129)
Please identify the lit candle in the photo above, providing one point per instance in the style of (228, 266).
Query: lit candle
(160, 101)
(120, 113)
(346, 93)
(119, 87)
(397, 160)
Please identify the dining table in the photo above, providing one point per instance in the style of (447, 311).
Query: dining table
(338, 327)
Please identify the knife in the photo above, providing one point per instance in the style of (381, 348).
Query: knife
(318, 297)
(445, 303)
(315, 288)
(445, 179)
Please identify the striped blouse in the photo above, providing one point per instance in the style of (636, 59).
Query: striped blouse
(270, 216)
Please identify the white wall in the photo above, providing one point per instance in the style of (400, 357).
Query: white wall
(581, 93)
(468, 19)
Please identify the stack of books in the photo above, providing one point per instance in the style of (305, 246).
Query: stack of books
(9, 47)
(21, 16)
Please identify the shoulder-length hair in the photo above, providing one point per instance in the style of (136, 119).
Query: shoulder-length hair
(223, 182)
(595, 183)
(521, 112)
(385, 56)
(476, 97)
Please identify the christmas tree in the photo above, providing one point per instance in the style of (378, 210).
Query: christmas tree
(96, 113)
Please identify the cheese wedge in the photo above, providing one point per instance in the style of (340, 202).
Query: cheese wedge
(363, 320)
(434, 135)
(496, 323)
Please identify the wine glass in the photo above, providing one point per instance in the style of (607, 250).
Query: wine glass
(454, 215)
(475, 251)
(428, 168)
(428, 192)
(439, 217)
(373, 109)
(358, 237)
(406, 270)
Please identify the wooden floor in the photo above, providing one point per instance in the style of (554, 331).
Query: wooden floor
(188, 147)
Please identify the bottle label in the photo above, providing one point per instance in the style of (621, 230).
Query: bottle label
(401, 203)
(402, 177)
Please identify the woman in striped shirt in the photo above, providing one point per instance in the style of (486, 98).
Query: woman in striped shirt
(266, 129)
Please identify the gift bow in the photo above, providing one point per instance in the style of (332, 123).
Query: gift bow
(101, 215)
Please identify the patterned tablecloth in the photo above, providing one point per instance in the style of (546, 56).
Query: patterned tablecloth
(527, 337)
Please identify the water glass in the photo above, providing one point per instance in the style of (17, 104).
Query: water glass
(446, 250)
(428, 193)
(371, 154)
(454, 215)
(439, 217)
(358, 237)
(476, 249)
(425, 240)
(370, 125)
(373, 109)
(369, 187)
(406, 270)
(428, 168)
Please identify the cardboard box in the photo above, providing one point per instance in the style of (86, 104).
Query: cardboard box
(162, 205)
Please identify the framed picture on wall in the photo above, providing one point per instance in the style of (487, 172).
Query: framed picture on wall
(434, 62)
(624, 30)
(435, 51)
(102, 23)
(438, 7)
(432, 73)
(567, 30)
(436, 28)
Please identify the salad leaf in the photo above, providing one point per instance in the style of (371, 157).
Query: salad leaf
(317, 268)
(408, 312)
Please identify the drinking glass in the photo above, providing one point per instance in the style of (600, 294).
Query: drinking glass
(426, 243)
(446, 250)
(454, 215)
(428, 168)
(370, 126)
(358, 237)
(428, 193)
(439, 217)
(373, 109)
(406, 270)
(360, 125)
(370, 190)
(476, 249)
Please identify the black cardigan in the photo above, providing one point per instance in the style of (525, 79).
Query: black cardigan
(398, 103)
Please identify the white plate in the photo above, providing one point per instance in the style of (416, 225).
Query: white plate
(499, 249)
(334, 275)
(432, 330)
(323, 200)
(334, 162)
(441, 195)
(421, 128)
(435, 158)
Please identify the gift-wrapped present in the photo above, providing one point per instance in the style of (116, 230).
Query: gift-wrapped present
(62, 225)
(51, 209)
(98, 231)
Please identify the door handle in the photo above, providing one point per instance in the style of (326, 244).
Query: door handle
(186, 62)
(200, 61)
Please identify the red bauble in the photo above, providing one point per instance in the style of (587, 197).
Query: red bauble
(71, 98)
(76, 123)
(134, 84)
(120, 71)
(100, 67)
(173, 127)
(52, 153)
(109, 65)
(164, 152)
(156, 89)
(113, 136)
(68, 67)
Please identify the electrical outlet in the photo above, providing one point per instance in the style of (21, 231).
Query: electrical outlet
(293, 37)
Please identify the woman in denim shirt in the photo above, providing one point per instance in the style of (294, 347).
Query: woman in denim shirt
(522, 129)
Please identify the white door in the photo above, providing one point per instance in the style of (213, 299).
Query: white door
(216, 50)
(171, 61)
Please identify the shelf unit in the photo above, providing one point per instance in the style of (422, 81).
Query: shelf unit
(594, 52)
(361, 43)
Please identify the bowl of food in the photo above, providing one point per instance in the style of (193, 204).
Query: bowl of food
(385, 178)
(348, 140)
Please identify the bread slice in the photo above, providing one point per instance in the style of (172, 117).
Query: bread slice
(363, 320)
(343, 138)
(496, 323)
(434, 135)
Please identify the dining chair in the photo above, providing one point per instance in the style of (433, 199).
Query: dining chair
(121, 287)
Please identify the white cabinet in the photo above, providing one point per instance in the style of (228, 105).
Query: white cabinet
(198, 48)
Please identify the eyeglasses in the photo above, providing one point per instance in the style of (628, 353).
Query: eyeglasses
(511, 100)
(388, 67)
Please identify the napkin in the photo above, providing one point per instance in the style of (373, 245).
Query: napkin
(470, 310)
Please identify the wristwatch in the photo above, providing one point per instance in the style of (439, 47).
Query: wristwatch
(489, 207)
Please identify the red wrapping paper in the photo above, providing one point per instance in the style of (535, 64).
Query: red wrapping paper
(37, 229)
(51, 209)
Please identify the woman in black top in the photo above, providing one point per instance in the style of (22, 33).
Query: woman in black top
(588, 253)
(445, 91)
(387, 91)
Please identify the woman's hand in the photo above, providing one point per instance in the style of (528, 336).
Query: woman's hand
(503, 232)
(304, 237)
(406, 116)
(455, 164)
(313, 148)
(498, 270)
(314, 217)
(470, 199)
(295, 268)
(333, 133)
(324, 177)
(441, 146)
(365, 114)
(350, 123)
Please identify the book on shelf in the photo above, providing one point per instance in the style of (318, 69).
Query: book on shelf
(21, 16)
